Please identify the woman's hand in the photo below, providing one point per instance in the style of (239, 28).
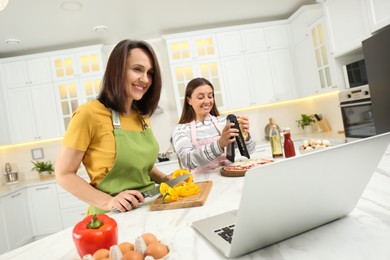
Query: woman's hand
(243, 121)
(228, 135)
(126, 200)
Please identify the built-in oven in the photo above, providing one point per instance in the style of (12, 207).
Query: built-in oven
(356, 110)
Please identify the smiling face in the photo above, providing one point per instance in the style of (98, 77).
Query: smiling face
(202, 101)
(139, 72)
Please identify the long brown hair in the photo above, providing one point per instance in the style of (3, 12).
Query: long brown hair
(113, 93)
(188, 113)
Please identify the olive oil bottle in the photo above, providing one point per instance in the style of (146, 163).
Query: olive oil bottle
(274, 137)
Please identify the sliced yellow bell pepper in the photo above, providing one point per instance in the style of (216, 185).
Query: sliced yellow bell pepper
(169, 194)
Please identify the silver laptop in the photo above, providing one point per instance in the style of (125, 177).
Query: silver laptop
(282, 199)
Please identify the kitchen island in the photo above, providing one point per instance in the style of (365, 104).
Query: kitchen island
(363, 234)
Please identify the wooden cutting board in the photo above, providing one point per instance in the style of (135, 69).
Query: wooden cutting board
(195, 200)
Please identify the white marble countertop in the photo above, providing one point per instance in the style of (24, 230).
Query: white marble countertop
(363, 234)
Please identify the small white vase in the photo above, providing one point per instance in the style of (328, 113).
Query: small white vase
(308, 129)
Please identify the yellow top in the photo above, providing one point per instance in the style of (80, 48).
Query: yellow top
(91, 131)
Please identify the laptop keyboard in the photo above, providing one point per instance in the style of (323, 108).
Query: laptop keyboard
(226, 232)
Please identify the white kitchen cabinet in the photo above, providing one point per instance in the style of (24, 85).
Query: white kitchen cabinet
(25, 72)
(241, 41)
(75, 63)
(325, 61)
(250, 74)
(348, 24)
(32, 113)
(191, 47)
(44, 209)
(184, 72)
(72, 209)
(379, 14)
(248, 79)
(17, 219)
(305, 64)
(4, 247)
(72, 93)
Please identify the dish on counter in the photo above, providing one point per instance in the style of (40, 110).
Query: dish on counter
(312, 145)
(239, 168)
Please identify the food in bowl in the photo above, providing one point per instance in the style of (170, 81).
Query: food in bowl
(310, 145)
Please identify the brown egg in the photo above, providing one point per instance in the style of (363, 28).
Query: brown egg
(125, 247)
(149, 238)
(157, 250)
(132, 255)
(101, 254)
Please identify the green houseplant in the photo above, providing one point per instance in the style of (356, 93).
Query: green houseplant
(306, 120)
(43, 167)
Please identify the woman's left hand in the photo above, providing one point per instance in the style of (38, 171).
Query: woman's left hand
(244, 124)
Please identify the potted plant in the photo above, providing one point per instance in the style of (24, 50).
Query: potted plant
(43, 168)
(306, 121)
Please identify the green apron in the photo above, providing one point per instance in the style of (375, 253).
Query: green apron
(136, 154)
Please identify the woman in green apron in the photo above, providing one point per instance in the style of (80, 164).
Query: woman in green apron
(111, 135)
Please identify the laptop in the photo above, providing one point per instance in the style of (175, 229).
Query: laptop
(288, 197)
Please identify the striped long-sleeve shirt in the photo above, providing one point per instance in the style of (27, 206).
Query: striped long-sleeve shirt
(192, 157)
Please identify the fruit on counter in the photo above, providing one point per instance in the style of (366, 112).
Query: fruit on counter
(182, 189)
(313, 144)
(140, 250)
(95, 232)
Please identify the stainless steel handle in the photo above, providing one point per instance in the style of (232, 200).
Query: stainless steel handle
(357, 104)
(16, 195)
(43, 188)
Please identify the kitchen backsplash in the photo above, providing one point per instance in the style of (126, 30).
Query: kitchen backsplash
(285, 113)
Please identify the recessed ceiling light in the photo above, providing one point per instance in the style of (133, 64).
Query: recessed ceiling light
(12, 41)
(100, 28)
(71, 6)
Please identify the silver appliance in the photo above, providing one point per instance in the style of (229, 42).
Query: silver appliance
(356, 110)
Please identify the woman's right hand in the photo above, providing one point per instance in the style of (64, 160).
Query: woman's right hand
(228, 135)
(126, 200)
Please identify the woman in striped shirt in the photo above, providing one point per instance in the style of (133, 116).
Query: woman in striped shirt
(202, 135)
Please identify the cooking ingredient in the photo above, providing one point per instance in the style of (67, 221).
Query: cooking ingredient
(125, 247)
(186, 189)
(149, 238)
(313, 144)
(274, 136)
(169, 194)
(132, 255)
(94, 233)
(101, 254)
(157, 250)
(180, 172)
(289, 149)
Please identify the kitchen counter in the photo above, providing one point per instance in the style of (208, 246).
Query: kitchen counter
(363, 234)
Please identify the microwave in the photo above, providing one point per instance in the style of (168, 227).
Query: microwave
(355, 74)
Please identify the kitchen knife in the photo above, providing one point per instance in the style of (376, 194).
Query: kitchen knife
(171, 183)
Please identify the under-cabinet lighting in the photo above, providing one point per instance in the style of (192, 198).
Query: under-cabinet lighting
(336, 92)
(10, 146)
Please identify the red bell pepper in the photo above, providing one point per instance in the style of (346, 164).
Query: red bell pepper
(95, 232)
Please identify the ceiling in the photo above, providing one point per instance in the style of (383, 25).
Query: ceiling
(43, 25)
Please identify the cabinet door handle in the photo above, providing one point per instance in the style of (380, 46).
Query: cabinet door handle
(42, 188)
(16, 195)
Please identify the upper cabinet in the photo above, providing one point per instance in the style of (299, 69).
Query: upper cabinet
(77, 64)
(41, 91)
(191, 48)
(348, 24)
(191, 57)
(25, 72)
(379, 14)
(256, 58)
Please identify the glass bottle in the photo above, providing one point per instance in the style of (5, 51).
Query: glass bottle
(274, 137)
(288, 146)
